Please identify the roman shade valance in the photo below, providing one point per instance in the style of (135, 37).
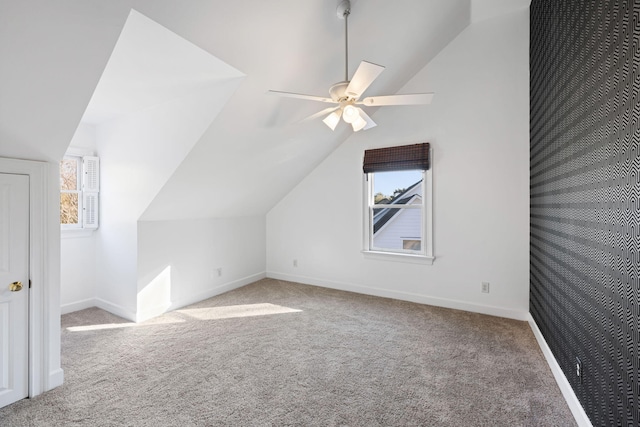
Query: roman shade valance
(404, 157)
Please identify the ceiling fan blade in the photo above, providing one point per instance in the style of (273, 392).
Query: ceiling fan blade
(302, 96)
(410, 99)
(370, 123)
(364, 76)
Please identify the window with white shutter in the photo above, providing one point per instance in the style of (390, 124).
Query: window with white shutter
(79, 192)
(90, 189)
(90, 210)
(91, 171)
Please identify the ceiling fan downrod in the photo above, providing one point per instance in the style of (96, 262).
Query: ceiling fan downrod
(343, 12)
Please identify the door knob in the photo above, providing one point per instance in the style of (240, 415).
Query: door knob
(15, 286)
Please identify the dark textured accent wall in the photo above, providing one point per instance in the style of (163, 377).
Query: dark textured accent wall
(585, 198)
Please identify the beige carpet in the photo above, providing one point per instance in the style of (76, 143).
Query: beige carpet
(276, 353)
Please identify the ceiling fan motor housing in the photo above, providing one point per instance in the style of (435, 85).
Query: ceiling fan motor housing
(338, 91)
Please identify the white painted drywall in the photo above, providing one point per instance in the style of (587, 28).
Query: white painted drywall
(77, 270)
(141, 145)
(486, 9)
(280, 52)
(178, 261)
(478, 127)
(84, 140)
(52, 57)
(54, 53)
(78, 247)
(138, 154)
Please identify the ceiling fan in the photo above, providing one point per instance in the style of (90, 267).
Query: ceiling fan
(345, 95)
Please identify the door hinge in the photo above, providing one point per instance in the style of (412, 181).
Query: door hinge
(29, 283)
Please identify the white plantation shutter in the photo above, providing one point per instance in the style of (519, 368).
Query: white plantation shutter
(91, 174)
(90, 210)
(90, 188)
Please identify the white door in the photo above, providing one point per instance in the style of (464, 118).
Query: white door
(14, 287)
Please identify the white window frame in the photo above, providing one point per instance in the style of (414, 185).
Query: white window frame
(78, 191)
(88, 193)
(425, 255)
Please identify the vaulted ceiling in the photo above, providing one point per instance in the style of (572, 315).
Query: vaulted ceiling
(53, 54)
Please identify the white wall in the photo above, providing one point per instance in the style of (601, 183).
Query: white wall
(78, 247)
(178, 261)
(478, 127)
(145, 138)
(138, 154)
(77, 271)
(84, 139)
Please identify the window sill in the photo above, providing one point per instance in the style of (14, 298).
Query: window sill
(73, 233)
(390, 256)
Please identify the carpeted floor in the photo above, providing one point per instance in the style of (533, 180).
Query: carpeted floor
(276, 353)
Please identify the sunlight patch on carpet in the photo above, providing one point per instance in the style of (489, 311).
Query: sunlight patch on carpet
(100, 327)
(161, 320)
(246, 310)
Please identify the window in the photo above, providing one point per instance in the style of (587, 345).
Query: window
(414, 245)
(397, 212)
(79, 187)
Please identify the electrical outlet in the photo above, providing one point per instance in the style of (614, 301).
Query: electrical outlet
(219, 271)
(295, 262)
(485, 287)
(579, 369)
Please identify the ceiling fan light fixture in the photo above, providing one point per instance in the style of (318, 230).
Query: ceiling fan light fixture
(332, 119)
(350, 114)
(358, 124)
(345, 95)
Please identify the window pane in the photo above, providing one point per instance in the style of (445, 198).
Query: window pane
(393, 227)
(68, 174)
(69, 208)
(398, 228)
(412, 245)
(389, 185)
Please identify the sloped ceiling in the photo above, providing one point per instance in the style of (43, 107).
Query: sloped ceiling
(487, 9)
(53, 55)
(257, 149)
(150, 66)
(156, 97)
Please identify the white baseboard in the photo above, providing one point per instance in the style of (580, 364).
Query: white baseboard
(116, 309)
(100, 303)
(569, 395)
(77, 306)
(217, 290)
(147, 314)
(56, 378)
(405, 296)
